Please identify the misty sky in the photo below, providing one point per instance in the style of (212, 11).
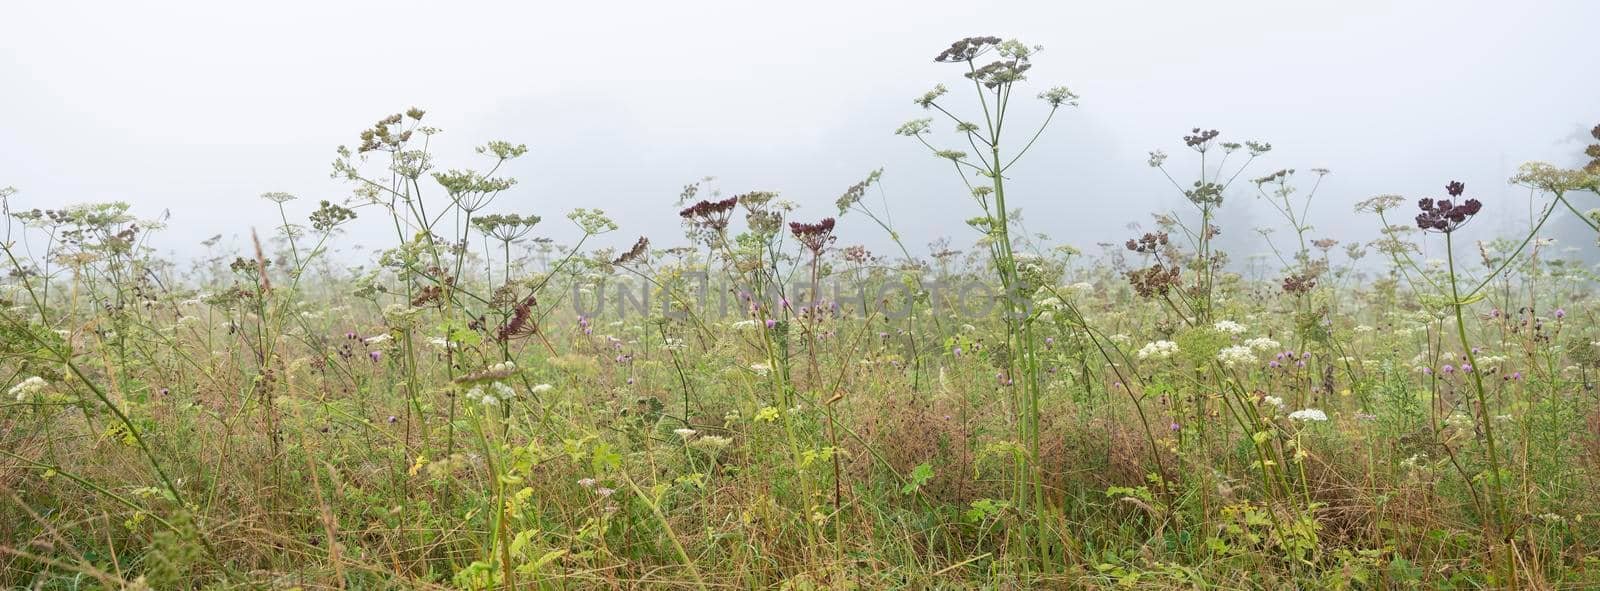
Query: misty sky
(199, 107)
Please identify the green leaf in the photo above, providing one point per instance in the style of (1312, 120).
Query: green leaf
(918, 477)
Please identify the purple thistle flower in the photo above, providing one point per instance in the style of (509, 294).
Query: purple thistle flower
(1448, 368)
(1560, 313)
(1466, 368)
(375, 355)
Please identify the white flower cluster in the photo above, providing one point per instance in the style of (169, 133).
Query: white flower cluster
(1229, 326)
(1308, 414)
(1237, 355)
(711, 443)
(1158, 350)
(1263, 344)
(1491, 360)
(27, 388)
(498, 392)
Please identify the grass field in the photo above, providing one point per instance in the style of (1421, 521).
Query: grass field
(756, 403)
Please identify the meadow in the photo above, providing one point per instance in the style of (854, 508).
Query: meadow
(757, 403)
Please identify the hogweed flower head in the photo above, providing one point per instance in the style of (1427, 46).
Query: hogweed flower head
(639, 249)
(1447, 215)
(814, 237)
(968, 49)
(710, 214)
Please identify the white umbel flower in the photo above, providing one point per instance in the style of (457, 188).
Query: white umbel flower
(27, 388)
(1308, 414)
(1237, 355)
(1229, 326)
(1263, 344)
(1158, 350)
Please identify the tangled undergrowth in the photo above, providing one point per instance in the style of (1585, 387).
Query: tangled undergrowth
(761, 407)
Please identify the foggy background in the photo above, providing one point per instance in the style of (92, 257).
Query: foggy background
(199, 107)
